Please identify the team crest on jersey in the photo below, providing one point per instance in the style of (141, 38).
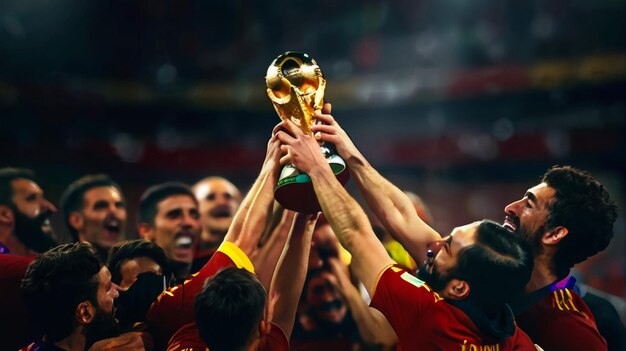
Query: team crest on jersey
(411, 279)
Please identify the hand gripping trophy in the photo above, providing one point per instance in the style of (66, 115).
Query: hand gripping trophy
(295, 85)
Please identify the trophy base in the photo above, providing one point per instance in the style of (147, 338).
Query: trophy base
(294, 190)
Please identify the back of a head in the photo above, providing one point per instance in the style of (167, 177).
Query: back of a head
(212, 179)
(7, 176)
(127, 250)
(583, 206)
(72, 198)
(229, 309)
(148, 204)
(56, 282)
(497, 266)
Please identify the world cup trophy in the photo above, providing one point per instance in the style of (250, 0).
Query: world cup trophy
(295, 85)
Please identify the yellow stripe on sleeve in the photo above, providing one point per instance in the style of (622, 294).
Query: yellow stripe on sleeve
(563, 300)
(237, 255)
(379, 276)
(571, 301)
(556, 300)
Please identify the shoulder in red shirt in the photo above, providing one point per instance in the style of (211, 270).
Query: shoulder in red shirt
(17, 330)
(187, 338)
(423, 320)
(175, 306)
(562, 321)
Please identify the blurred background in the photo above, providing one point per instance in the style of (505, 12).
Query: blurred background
(465, 103)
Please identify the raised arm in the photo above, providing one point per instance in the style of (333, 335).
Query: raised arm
(291, 272)
(390, 204)
(345, 216)
(266, 257)
(251, 219)
(174, 308)
(373, 326)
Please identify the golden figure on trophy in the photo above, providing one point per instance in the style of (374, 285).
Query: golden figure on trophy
(295, 85)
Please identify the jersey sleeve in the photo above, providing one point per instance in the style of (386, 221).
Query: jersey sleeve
(562, 321)
(175, 306)
(276, 340)
(575, 322)
(187, 338)
(400, 297)
(20, 331)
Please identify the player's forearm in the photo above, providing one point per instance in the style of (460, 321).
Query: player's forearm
(256, 219)
(351, 225)
(238, 220)
(346, 217)
(254, 209)
(387, 201)
(290, 275)
(373, 326)
(266, 257)
(394, 209)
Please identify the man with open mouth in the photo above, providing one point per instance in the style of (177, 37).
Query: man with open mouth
(566, 218)
(169, 216)
(478, 267)
(94, 210)
(218, 201)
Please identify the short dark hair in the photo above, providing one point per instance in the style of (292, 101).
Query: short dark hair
(127, 250)
(73, 198)
(497, 266)
(56, 282)
(229, 309)
(157, 193)
(583, 206)
(8, 175)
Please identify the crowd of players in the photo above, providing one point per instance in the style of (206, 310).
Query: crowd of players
(218, 270)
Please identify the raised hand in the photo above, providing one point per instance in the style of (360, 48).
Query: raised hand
(344, 285)
(373, 326)
(330, 131)
(272, 153)
(298, 149)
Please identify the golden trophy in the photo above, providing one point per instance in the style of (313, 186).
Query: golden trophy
(295, 85)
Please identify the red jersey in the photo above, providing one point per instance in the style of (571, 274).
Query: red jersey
(17, 328)
(187, 338)
(326, 345)
(423, 320)
(175, 306)
(562, 321)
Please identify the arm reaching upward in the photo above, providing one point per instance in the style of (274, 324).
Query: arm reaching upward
(175, 307)
(265, 258)
(373, 326)
(289, 277)
(251, 218)
(346, 217)
(390, 204)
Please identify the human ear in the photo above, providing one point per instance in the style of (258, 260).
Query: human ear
(85, 313)
(457, 289)
(6, 215)
(555, 235)
(76, 221)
